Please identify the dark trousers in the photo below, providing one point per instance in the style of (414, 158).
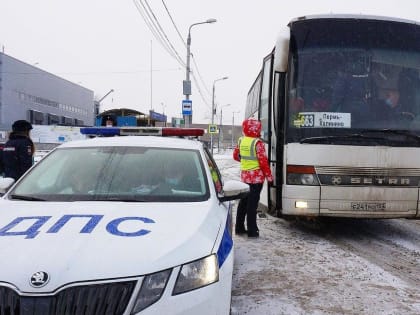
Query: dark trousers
(247, 207)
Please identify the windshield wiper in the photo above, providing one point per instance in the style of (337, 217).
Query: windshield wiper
(405, 133)
(332, 139)
(28, 198)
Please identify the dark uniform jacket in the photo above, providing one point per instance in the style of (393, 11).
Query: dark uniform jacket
(17, 155)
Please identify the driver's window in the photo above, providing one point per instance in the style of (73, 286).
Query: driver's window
(214, 171)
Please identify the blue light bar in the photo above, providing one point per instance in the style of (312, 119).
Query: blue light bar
(100, 131)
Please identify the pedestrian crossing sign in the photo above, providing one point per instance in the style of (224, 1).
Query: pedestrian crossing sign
(213, 129)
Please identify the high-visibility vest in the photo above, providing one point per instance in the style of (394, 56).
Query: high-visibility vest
(248, 153)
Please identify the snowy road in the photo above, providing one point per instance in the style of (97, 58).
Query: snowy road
(347, 267)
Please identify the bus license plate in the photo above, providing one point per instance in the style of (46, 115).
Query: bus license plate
(368, 206)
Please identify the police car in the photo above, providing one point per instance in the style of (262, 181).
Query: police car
(108, 226)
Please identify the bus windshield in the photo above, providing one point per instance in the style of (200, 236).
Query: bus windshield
(354, 82)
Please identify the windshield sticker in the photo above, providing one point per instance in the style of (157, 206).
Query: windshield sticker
(322, 120)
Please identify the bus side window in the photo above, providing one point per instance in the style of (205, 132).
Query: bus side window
(264, 113)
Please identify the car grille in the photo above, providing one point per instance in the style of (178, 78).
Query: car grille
(98, 299)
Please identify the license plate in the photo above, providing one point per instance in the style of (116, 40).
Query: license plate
(368, 206)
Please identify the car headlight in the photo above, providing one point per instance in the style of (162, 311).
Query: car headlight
(151, 290)
(197, 274)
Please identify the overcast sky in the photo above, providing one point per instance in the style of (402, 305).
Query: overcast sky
(106, 44)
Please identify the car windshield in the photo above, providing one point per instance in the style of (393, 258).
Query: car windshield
(348, 76)
(130, 174)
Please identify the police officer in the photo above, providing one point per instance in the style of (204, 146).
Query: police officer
(18, 151)
(255, 169)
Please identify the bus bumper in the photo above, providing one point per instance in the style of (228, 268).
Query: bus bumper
(354, 202)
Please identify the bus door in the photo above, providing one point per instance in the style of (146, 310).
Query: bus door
(266, 117)
(277, 140)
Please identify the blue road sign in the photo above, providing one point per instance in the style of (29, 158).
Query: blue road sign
(186, 107)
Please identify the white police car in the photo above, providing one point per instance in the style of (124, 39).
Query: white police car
(108, 226)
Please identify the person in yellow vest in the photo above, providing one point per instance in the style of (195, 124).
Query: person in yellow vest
(255, 169)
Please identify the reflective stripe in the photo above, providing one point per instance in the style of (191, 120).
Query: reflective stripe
(247, 151)
(252, 154)
(226, 244)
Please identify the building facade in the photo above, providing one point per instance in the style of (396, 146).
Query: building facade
(27, 92)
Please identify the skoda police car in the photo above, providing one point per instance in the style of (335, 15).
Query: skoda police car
(119, 225)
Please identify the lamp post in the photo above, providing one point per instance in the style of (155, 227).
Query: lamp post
(233, 125)
(187, 82)
(220, 127)
(213, 110)
(98, 103)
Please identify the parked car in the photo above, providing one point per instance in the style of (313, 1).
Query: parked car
(100, 226)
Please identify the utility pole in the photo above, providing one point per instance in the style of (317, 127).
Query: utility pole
(220, 138)
(233, 125)
(187, 81)
(213, 110)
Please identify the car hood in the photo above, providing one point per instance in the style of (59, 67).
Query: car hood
(83, 241)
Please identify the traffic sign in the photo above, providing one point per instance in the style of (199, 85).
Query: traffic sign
(213, 129)
(186, 107)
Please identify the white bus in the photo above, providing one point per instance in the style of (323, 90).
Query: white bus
(339, 101)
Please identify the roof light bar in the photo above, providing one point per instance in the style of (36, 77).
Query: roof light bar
(142, 131)
(100, 132)
(182, 132)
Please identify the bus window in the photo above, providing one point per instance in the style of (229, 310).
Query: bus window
(265, 100)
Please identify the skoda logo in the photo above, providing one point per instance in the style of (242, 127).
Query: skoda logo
(39, 279)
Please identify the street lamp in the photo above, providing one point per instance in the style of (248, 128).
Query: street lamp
(213, 109)
(187, 82)
(220, 127)
(233, 124)
(98, 103)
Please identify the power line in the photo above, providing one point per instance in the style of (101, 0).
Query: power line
(194, 61)
(157, 30)
(199, 75)
(199, 90)
(173, 23)
(157, 37)
(161, 38)
(163, 32)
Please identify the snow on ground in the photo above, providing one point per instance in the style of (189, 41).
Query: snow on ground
(353, 267)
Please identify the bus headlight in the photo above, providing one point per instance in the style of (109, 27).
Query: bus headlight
(308, 179)
(197, 274)
(301, 175)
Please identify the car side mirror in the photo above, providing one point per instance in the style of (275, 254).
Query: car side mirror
(5, 184)
(232, 190)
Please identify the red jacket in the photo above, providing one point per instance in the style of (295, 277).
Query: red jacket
(252, 128)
